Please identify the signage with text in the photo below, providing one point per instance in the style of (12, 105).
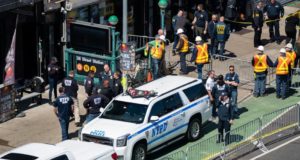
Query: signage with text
(86, 64)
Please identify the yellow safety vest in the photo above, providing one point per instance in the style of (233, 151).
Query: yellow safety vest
(260, 63)
(292, 56)
(202, 54)
(283, 66)
(157, 50)
(185, 47)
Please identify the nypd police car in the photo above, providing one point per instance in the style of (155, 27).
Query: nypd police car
(138, 126)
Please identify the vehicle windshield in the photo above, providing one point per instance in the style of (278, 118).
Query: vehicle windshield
(125, 111)
(18, 156)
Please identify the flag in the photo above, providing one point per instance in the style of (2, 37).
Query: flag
(10, 62)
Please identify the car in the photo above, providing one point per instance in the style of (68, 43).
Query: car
(138, 126)
(66, 150)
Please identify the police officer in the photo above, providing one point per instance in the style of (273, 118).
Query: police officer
(63, 107)
(71, 88)
(200, 55)
(258, 22)
(291, 23)
(225, 114)
(93, 104)
(260, 63)
(200, 21)
(106, 75)
(89, 83)
(218, 88)
(106, 90)
(157, 52)
(283, 64)
(53, 71)
(274, 11)
(211, 31)
(232, 80)
(182, 48)
(118, 88)
(231, 14)
(221, 35)
(291, 54)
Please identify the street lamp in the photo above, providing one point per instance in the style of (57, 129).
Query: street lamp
(113, 20)
(162, 5)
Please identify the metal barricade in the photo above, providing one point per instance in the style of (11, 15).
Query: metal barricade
(140, 41)
(180, 155)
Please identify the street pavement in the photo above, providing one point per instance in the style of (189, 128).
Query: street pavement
(41, 125)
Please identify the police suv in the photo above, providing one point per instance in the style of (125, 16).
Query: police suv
(137, 126)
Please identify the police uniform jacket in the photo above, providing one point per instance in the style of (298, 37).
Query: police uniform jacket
(53, 70)
(274, 11)
(63, 103)
(225, 111)
(117, 88)
(89, 84)
(218, 89)
(211, 28)
(258, 18)
(94, 102)
(232, 78)
(231, 9)
(71, 87)
(108, 92)
(202, 18)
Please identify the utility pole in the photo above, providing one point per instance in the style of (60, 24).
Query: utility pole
(125, 11)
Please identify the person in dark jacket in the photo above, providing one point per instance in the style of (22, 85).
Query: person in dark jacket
(258, 22)
(93, 104)
(71, 88)
(231, 14)
(225, 114)
(106, 75)
(291, 23)
(221, 35)
(200, 21)
(217, 89)
(53, 71)
(211, 31)
(106, 90)
(179, 21)
(274, 11)
(63, 107)
(117, 85)
(89, 83)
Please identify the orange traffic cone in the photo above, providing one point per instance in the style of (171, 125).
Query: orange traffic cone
(149, 76)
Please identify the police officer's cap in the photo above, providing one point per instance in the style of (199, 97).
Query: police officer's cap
(198, 39)
(289, 45)
(261, 48)
(282, 50)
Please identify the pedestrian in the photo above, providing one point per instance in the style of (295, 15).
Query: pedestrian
(218, 88)
(258, 22)
(63, 107)
(225, 114)
(200, 55)
(274, 11)
(157, 50)
(53, 71)
(221, 35)
(179, 22)
(106, 90)
(182, 48)
(283, 64)
(291, 54)
(260, 63)
(291, 23)
(89, 83)
(71, 88)
(231, 14)
(106, 75)
(211, 31)
(93, 104)
(200, 22)
(233, 81)
(118, 88)
(210, 83)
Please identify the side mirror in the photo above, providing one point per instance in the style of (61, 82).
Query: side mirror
(154, 118)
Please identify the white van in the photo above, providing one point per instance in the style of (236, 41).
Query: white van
(137, 126)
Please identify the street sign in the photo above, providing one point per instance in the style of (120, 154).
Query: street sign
(127, 52)
(85, 64)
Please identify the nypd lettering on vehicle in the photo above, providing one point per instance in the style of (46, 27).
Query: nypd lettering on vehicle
(98, 133)
(159, 129)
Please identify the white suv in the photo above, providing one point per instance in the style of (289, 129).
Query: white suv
(137, 126)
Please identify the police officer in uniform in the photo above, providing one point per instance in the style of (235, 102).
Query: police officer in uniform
(218, 88)
(221, 35)
(71, 88)
(274, 11)
(200, 21)
(89, 83)
(283, 64)
(53, 71)
(200, 55)
(93, 104)
(182, 48)
(63, 107)
(225, 114)
(260, 62)
(106, 90)
(211, 31)
(118, 88)
(231, 14)
(233, 81)
(258, 22)
(106, 75)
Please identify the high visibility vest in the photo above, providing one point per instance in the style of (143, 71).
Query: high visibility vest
(202, 54)
(292, 56)
(185, 47)
(283, 66)
(260, 63)
(157, 50)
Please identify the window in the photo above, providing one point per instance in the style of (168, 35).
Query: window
(166, 105)
(62, 157)
(195, 92)
(18, 156)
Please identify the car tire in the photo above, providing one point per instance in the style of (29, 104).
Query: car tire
(194, 129)
(139, 152)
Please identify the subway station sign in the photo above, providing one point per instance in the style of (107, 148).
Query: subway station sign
(86, 64)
